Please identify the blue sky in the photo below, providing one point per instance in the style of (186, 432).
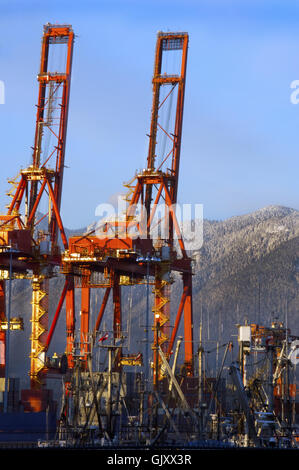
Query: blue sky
(240, 132)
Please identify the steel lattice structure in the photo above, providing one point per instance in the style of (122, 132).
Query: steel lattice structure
(117, 253)
(36, 252)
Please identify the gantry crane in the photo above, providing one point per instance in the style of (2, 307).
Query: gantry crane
(38, 189)
(117, 257)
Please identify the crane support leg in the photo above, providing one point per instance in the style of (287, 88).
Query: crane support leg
(117, 323)
(188, 323)
(85, 306)
(2, 333)
(70, 320)
(117, 307)
(161, 311)
(39, 321)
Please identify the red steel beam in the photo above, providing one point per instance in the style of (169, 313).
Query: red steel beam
(37, 200)
(57, 214)
(174, 220)
(102, 309)
(18, 195)
(177, 320)
(57, 313)
(179, 120)
(84, 323)
(70, 320)
(188, 322)
(62, 132)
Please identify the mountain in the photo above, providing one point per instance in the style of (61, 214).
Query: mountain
(246, 269)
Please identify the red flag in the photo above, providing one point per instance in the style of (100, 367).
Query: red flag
(104, 338)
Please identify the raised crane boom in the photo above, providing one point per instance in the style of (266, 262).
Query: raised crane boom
(168, 43)
(117, 254)
(52, 113)
(39, 190)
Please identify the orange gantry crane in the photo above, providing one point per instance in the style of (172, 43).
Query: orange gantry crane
(117, 257)
(29, 241)
(130, 248)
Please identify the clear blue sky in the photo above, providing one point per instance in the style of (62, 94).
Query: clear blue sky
(240, 147)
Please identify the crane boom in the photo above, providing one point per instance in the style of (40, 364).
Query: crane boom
(40, 186)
